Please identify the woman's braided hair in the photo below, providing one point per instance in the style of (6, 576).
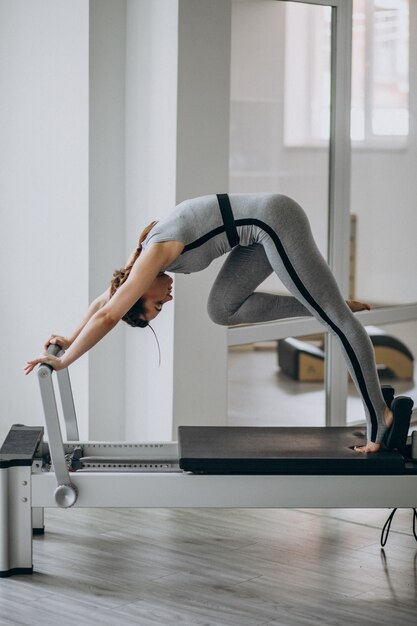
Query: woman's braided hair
(133, 316)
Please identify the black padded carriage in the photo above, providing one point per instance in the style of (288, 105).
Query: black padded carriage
(270, 450)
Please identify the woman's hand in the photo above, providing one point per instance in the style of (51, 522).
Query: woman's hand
(57, 340)
(356, 306)
(54, 361)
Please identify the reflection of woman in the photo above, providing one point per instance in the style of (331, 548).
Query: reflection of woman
(264, 233)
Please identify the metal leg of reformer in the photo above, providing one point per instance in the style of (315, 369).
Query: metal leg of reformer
(38, 521)
(15, 521)
(38, 525)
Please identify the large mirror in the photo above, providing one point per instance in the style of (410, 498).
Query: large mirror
(279, 142)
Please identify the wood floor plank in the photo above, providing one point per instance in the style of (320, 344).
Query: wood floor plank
(214, 568)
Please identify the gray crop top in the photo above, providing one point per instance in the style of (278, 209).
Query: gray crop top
(198, 224)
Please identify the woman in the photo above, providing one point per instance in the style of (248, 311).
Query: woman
(262, 233)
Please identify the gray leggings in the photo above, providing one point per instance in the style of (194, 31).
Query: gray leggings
(285, 245)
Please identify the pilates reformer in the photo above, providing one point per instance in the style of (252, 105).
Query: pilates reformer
(209, 467)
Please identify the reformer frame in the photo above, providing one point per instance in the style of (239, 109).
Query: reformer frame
(35, 475)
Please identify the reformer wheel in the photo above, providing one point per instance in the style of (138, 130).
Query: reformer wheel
(66, 496)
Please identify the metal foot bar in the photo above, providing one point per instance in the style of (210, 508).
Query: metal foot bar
(67, 402)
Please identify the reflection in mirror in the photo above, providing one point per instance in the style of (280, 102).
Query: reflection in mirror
(279, 132)
(266, 389)
(395, 348)
(267, 379)
(271, 84)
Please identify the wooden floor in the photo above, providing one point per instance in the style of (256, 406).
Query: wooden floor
(216, 567)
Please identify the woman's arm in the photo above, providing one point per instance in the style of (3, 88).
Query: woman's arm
(95, 306)
(146, 268)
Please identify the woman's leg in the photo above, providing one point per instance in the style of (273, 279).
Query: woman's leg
(232, 301)
(285, 233)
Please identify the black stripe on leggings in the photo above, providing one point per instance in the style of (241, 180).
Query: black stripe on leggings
(306, 294)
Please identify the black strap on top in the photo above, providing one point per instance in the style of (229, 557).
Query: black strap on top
(228, 219)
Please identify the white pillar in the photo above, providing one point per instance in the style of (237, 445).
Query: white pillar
(107, 250)
(200, 347)
(151, 86)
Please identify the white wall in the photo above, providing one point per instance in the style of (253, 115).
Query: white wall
(43, 191)
(102, 134)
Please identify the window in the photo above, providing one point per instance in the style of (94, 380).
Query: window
(379, 69)
(380, 65)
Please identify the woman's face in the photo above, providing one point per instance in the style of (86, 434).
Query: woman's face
(155, 297)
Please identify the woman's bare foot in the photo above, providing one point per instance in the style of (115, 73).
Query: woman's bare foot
(355, 306)
(370, 445)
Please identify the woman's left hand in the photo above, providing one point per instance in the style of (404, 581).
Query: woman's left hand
(54, 361)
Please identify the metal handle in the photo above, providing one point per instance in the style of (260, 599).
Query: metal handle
(65, 391)
(54, 350)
